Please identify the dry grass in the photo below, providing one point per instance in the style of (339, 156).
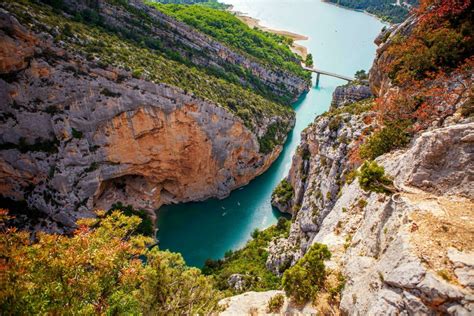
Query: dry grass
(441, 223)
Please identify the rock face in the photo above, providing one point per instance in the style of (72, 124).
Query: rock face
(75, 137)
(350, 93)
(317, 175)
(380, 83)
(256, 303)
(408, 252)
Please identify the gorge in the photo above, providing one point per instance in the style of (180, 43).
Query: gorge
(208, 229)
(274, 195)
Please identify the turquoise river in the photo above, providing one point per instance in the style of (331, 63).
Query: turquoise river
(341, 41)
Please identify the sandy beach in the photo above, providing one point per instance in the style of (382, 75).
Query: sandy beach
(295, 48)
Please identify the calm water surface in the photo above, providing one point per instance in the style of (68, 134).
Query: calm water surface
(341, 41)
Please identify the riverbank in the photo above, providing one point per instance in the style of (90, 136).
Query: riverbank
(296, 48)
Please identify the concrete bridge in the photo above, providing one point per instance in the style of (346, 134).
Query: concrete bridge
(327, 73)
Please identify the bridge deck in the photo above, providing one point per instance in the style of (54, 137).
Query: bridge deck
(327, 73)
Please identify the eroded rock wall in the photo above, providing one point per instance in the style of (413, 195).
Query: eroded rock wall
(75, 137)
(409, 252)
(349, 93)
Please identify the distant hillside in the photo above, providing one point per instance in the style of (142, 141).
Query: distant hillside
(207, 3)
(389, 10)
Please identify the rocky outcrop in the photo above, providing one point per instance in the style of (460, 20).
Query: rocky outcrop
(76, 137)
(318, 172)
(407, 252)
(380, 83)
(256, 303)
(349, 93)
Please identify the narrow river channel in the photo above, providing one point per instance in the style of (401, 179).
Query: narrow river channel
(341, 41)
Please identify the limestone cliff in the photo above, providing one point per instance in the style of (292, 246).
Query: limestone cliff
(77, 135)
(350, 93)
(409, 252)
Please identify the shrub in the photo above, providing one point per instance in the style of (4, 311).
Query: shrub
(249, 261)
(255, 233)
(40, 144)
(100, 269)
(56, 4)
(146, 225)
(372, 178)
(282, 223)
(305, 279)
(337, 289)
(305, 153)
(309, 60)
(355, 108)
(467, 109)
(67, 30)
(334, 123)
(76, 134)
(283, 191)
(390, 137)
(273, 137)
(362, 203)
(350, 176)
(361, 75)
(137, 73)
(276, 303)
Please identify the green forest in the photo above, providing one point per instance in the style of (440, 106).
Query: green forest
(385, 9)
(268, 48)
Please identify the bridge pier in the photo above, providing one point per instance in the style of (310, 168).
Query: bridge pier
(317, 79)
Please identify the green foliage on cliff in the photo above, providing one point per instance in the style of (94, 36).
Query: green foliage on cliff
(283, 191)
(355, 108)
(249, 262)
(211, 3)
(306, 278)
(309, 60)
(39, 144)
(225, 27)
(276, 303)
(104, 268)
(372, 178)
(361, 75)
(384, 9)
(392, 136)
(274, 136)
